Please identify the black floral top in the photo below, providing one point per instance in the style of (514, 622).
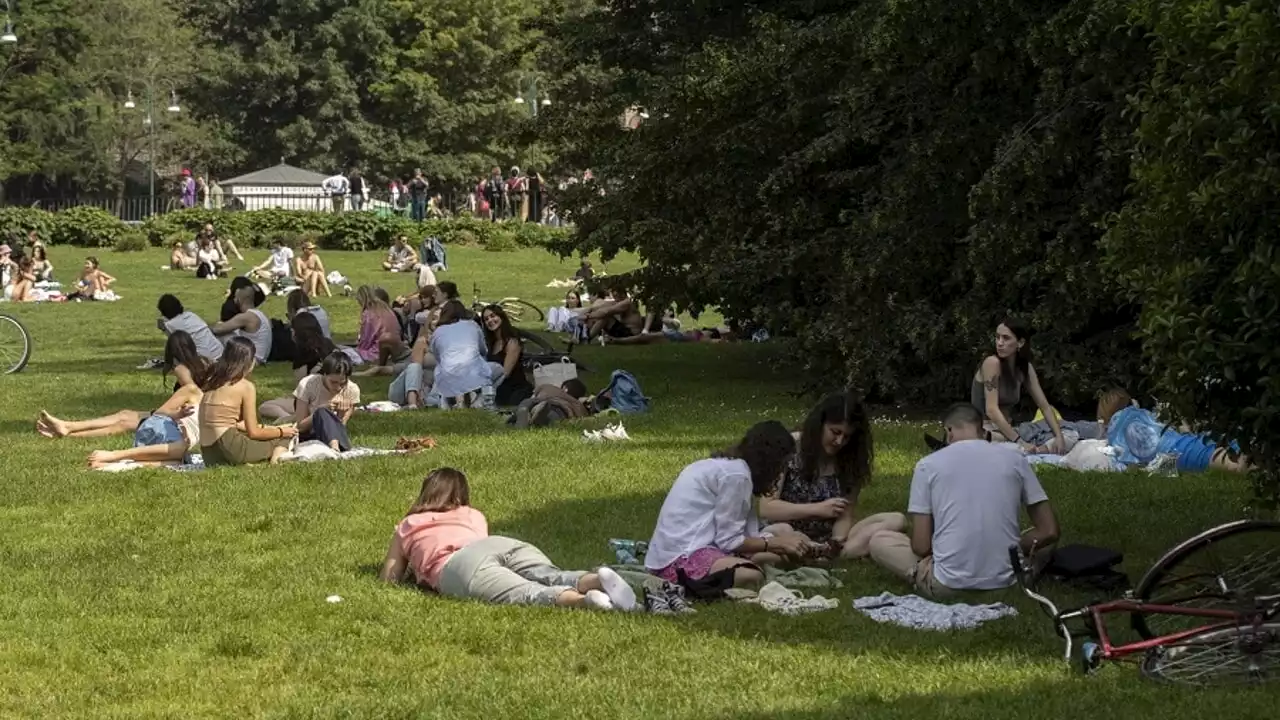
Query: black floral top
(795, 490)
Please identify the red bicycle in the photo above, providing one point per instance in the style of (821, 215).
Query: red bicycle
(1207, 611)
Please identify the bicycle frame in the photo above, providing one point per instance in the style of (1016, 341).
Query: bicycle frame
(1095, 614)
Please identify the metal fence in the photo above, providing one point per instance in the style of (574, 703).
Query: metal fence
(139, 208)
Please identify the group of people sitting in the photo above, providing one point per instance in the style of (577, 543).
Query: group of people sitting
(775, 497)
(28, 277)
(616, 317)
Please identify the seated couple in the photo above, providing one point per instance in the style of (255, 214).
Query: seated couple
(709, 525)
(469, 365)
(965, 509)
(444, 545)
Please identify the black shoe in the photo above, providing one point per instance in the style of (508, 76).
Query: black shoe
(934, 443)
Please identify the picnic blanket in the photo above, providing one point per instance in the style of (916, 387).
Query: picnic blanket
(915, 612)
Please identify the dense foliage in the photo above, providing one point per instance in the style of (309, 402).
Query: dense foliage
(95, 228)
(1197, 245)
(884, 180)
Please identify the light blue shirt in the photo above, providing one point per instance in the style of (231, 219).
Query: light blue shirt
(459, 349)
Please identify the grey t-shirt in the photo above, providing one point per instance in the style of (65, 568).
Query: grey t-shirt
(975, 491)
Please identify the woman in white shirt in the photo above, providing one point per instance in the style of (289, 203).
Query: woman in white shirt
(708, 522)
(459, 349)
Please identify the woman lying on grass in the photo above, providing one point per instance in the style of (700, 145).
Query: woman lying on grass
(707, 523)
(166, 435)
(446, 544)
(229, 429)
(818, 494)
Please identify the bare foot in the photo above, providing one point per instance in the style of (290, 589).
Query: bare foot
(50, 426)
(334, 444)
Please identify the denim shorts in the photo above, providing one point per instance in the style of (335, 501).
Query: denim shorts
(157, 430)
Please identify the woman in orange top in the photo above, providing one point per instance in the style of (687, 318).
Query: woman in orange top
(446, 543)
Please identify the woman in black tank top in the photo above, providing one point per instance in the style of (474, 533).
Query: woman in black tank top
(505, 349)
(998, 385)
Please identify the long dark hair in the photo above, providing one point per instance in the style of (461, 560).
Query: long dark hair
(1021, 359)
(235, 365)
(853, 461)
(766, 448)
(180, 349)
(308, 337)
(336, 363)
(443, 489)
(505, 331)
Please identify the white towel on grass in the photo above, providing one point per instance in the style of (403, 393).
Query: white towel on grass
(915, 612)
(776, 598)
(309, 453)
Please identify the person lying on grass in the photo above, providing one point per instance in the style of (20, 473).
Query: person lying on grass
(1141, 436)
(708, 523)
(965, 507)
(674, 335)
(228, 414)
(164, 436)
(445, 544)
(553, 403)
(818, 493)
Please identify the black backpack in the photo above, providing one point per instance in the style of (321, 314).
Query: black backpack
(282, 349)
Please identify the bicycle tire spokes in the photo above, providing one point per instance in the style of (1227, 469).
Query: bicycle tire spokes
(15, 345)
(1225, 656)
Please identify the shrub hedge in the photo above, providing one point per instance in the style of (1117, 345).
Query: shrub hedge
(96, 228)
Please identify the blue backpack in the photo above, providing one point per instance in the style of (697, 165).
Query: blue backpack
(625, 393)
(432, 253)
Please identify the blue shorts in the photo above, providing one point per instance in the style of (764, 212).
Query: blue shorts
(157, 430)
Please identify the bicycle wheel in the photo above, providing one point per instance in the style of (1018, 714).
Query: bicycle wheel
(537, 343)
(1223, 567)
(15, 345)
(516, 308)
(1245, 655)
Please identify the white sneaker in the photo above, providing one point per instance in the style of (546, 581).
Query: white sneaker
(597, 600)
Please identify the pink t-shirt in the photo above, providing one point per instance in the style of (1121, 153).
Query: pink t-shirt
(429, 539)
(373, 324)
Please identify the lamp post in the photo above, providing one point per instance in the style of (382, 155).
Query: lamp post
(149, 123)
(9, 37)
(533, 102)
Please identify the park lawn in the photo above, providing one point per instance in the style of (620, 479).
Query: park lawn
(161, 594)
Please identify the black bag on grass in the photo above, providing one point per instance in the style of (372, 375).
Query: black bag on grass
(1088, 567)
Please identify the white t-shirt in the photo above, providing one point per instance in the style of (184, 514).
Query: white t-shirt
(208, 255)
(282, 261)
(975, 490)
(206, 342)
(710, 505)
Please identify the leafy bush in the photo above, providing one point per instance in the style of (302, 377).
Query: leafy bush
(16, 222)
(87, 227)
(1199, 245)
(132, 241)
(501, 243)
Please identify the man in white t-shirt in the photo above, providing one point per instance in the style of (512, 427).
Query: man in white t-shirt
(173, 317)
(278, 265)
(965, 507)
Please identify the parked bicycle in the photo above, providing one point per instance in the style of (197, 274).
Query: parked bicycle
(15, 345)
(514, 306)
(1208, 611)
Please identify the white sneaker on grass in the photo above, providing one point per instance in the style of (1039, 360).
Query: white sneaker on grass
(619, 592)
(597, 600)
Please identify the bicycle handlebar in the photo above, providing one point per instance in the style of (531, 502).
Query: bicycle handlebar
(1021, 577)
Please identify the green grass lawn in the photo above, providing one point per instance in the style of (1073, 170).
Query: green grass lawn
(161, 594)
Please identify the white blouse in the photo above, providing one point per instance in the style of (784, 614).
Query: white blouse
(710, 505)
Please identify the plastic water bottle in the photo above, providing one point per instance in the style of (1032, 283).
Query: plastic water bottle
(487, 397)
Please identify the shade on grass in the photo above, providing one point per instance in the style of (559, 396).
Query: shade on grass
(152, 593)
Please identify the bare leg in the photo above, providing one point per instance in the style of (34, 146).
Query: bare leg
(148, 454)
(229, 245)
(858, 542)
(277, 409)
(1221, 460)
(323, 283)
(278, 453)
(743, 576)
(124, 421)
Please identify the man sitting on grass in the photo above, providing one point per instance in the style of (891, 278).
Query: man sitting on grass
(964, 506)
(401, 257)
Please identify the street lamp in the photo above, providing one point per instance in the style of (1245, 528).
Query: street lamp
(9, 36)
(129, 104)
(533, 95)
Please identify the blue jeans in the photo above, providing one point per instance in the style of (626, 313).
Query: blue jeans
(417, 209)
(408, 381)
